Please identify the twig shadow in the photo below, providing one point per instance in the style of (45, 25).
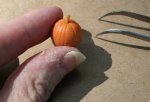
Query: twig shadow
(127, 25)
(127, 45)
(87, 76)
(7, 69)
(128, 14)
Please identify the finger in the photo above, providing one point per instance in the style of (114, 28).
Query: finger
(30, 29)
(37, 77)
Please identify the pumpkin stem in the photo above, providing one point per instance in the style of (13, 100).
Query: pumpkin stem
(68, 18)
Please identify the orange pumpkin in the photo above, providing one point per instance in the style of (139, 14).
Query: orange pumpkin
(66, 32)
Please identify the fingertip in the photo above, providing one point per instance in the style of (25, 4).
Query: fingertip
(57, 9)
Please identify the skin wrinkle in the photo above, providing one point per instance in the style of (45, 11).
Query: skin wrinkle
(40, 84)
(45, 83)
(37, 97)
(31, 93)
(43, 88)
(60, 70)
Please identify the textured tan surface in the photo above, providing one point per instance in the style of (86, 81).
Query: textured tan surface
(112, 72)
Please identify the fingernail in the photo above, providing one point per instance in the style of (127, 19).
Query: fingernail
(78, 56)
(73, 59)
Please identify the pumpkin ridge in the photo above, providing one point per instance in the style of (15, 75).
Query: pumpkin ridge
(66, 25)
(75, 33)
(61, 32)
(58, 37)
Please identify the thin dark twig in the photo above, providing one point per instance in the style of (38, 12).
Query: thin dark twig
(129, 14)
(145, 37)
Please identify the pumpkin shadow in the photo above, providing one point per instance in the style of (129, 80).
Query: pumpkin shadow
(87, 76)
(7, 69)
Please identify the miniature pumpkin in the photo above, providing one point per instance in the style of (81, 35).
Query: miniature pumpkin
(66, 32)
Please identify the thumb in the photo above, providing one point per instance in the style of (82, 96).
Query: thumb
(35, 79)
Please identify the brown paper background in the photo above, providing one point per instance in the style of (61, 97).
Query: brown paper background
(112, 72)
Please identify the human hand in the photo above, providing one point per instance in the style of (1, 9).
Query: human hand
(36, 78)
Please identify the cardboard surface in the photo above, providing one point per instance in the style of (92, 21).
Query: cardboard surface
(112, 72)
